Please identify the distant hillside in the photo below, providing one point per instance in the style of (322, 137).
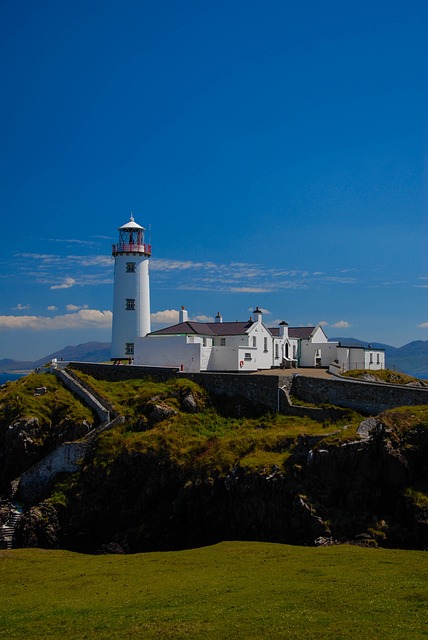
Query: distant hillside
(86, 352)
(411, 358)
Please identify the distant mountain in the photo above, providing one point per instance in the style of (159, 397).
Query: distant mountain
(87, 352)
(412, 358)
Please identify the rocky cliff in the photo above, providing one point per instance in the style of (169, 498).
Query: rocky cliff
(180, 473)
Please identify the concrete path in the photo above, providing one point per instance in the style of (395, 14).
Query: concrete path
(311, 372)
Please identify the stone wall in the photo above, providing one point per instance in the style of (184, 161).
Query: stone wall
(259, 389)
(266, 391)
(88, 397)
(365, 397)
(34, 483)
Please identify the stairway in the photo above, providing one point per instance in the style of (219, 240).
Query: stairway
(8, 529)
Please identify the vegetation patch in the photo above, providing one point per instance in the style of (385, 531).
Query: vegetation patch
(383, 375)
(418, 495)
(18, 401)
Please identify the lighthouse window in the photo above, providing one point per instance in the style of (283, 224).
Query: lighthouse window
(129, 348)
(130, 267)
(130, 304)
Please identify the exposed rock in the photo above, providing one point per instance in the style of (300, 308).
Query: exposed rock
(367, 427)
(159, 412)
(39, 527)
(19, 433)
(306, 523)
(69, 430)
(189, 403)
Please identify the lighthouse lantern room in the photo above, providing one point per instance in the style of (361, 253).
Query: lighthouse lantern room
(131, 297)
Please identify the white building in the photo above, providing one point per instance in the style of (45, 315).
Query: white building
(358, 357)
(235, 346)
(131, 299)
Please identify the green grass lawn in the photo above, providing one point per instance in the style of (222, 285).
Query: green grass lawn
(233, 590)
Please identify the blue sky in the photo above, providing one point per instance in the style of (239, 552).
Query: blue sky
(276, 150)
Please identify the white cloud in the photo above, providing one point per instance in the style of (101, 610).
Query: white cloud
(266, 311)
(423, 325)
(70, 240)
(75, 307)
(20, 307)
(162, 264)
(67, 284)
(52, 307)
(323, 323)
(169, 316)
(82, 319)
(250, 289)
(342, 324)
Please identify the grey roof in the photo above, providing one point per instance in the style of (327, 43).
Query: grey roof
(205, 329)
(227, 329)
(301, 332)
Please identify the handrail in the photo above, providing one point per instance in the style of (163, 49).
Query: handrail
(132, 247)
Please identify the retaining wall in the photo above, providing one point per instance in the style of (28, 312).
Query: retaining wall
(259, 389)
(367, 397)
(84, 394)
(65, 459)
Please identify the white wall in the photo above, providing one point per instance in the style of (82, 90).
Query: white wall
(374, 359)
(308, 350)
(261, 359)
(359, 358)
(128, 325)
(319, 335)
(168, 351)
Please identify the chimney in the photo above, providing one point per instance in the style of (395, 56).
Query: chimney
(283, 329)
(218, 317)
(183, 315)
(257, 314)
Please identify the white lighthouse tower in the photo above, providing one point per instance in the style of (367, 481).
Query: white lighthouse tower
(131, 299)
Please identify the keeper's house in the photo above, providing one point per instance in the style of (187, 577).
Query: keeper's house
(238, 346)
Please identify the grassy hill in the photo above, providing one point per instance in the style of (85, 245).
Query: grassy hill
(233, 590)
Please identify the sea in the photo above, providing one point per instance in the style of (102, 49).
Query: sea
(8, 377)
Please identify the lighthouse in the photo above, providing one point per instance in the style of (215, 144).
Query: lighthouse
(131, 298)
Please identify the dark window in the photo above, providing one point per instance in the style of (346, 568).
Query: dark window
(130, 304)
(129, 348)
(130, 267)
